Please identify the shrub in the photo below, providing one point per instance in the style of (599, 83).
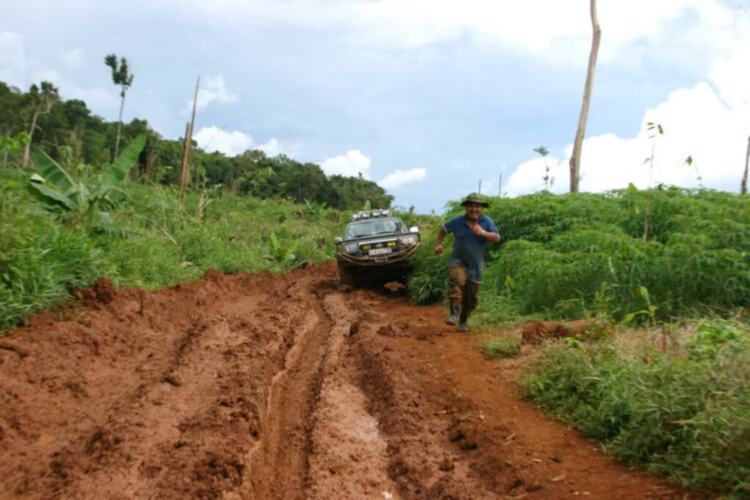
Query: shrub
(41, 263)
(572, 255)
(152, 242)
(684, 413)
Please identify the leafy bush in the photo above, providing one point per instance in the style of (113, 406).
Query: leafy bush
(572, 255)
(88, 197)
(152, 242)
(685, 413)
(40, 262)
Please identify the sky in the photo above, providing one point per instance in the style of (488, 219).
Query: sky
(425, 97)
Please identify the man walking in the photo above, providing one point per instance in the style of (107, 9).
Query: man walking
(470, 231)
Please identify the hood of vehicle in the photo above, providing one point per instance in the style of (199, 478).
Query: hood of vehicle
(377, 238)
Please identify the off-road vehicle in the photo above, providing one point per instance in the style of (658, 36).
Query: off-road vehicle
(375, 245)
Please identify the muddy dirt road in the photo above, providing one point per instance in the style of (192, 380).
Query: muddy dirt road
(276, 387)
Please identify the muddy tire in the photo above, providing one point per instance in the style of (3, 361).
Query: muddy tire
(346, 275)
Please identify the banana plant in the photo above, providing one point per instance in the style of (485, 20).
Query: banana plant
(83, 199)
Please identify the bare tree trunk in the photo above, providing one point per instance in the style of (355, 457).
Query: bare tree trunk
(27, 147)
(184, 162)
(575, 159)
(188, 143)
(119, 124)
(743, 186)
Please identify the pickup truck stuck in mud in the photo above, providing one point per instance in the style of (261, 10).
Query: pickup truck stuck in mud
(375, 245)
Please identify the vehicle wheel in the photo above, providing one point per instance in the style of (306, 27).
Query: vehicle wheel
(346, 275)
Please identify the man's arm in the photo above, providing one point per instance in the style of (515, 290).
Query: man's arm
(490, 236)
(439, 242)
(493, 236)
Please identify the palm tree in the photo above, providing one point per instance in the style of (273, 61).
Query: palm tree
(120, 76)
(543, 152)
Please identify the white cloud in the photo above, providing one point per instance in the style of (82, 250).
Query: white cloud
(271, 148)
(233, 142)
(230, 143)
(551, 29)
(212, 89)
(13, 65)
(696, 123)
(350, 164)
(731, 75)
(73, 59)
(400, 177)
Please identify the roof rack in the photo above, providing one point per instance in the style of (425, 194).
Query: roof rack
(371, 214)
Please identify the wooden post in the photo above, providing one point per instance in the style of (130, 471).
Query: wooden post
(184, 163)
(479, 189)
(184, 174)
(575, 159)
(743, 186)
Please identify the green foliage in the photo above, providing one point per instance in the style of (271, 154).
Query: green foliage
(684, 414)
(429, 281)
(578, 254)
(83, 198)
(40, 261)
(120, 73)
(11, 147)
(501, 347)
(157, 242)
(71, 135)
(284, 254)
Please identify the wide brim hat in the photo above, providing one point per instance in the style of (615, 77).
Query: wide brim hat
(475, 198)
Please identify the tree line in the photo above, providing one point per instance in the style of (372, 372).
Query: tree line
(69, 132)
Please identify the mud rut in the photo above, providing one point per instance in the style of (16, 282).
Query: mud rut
(275, 387)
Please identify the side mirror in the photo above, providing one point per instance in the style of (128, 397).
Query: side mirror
(338, 240)
(414, 229)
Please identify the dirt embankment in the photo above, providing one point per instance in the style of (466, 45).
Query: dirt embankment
(276, 387)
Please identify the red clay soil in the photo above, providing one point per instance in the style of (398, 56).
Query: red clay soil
(276, 387)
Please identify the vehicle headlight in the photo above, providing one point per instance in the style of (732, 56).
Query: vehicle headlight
(351, 247)
(409, 240)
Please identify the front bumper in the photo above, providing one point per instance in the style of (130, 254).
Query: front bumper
(399, 257)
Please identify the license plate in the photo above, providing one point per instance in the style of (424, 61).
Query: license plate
(379, 251)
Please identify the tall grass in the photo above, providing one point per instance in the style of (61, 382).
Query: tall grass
(153, 242)
(684, 413)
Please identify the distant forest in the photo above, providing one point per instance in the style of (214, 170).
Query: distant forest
(69, 132)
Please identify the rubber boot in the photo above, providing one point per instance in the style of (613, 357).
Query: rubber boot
(453, 318)
(463, 323)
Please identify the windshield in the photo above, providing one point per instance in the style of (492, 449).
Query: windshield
(374, 227)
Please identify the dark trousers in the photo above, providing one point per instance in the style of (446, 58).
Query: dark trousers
(462, 292)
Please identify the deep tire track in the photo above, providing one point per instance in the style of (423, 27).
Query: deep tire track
(276, 387)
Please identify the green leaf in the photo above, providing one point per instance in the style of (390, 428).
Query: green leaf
(116, 171)
(51, 196)
(52, 172)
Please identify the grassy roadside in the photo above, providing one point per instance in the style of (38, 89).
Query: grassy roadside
(662, 257)
(682, 411)
(153, 242)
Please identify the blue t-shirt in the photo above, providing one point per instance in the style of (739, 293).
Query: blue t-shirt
(468, 248)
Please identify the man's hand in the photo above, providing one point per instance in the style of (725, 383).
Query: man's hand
(487, 235)
(439, 241)
(477, 229)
